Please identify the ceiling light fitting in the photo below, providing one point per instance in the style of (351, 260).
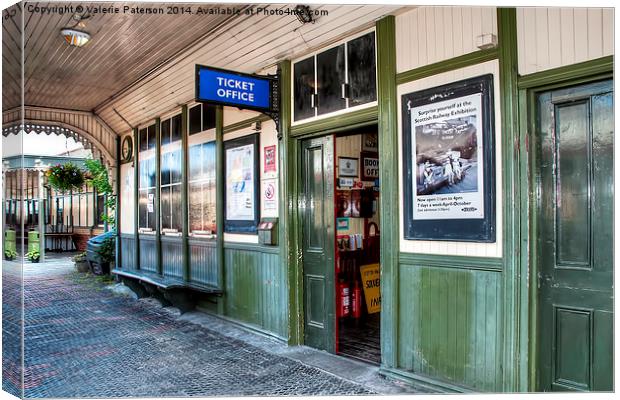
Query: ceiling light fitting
(74, 37)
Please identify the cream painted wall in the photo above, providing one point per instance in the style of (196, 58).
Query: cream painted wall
(428, 35)
(553, 37)
(127, 198)
(445, 247)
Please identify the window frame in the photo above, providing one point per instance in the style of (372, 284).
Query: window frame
(348, 108)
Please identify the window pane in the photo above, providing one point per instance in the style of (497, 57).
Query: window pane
(209, 208)
(152, 138)
(142, 209)
(151, 215)
(175, 166)
(195, 207)
(303, 88)
(151, 171)
(208, 117)
(165, 132)
(195, 162)
(165, 207)
(144, 145)
(362, 70)
(208, 157)
(165, 168)
(195, 119)
(330, 77)
(175, 204)
(177, 128)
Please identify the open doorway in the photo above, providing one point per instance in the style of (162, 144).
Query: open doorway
(357, 246)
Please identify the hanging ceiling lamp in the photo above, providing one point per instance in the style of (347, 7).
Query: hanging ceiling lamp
(74, 37)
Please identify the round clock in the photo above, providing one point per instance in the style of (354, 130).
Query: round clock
(127, 148)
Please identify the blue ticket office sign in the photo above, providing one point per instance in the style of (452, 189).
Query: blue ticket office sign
(246, 91)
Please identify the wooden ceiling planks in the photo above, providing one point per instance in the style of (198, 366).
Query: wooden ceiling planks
(143, 66)
(263, 46)
(123, 48)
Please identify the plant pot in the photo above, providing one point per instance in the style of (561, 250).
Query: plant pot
(81, 266)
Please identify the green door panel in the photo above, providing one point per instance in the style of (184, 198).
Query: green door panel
(317, 214)
(574, 207)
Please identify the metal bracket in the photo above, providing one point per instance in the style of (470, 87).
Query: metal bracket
(274, 114)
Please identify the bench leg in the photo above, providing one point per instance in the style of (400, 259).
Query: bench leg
(181, 299)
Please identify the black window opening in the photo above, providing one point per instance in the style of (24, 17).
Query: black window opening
(201, 118)
(147, 179)
(336, 79)
(170, 170)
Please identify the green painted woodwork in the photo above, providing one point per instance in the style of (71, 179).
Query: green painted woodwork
(589, 71)
(184, 194)
(574, 73)
(256, 291)
(451, 64)
(117, 214)
(449, 328)
(515, 276)
(158, 196)
(337, 123)
(388, 177)
(219, 201)
(287, 168)
(317, 241)
(574, 151)
(136, 215)
(454, 262)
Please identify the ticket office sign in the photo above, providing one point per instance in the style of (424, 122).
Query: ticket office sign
(236, 89)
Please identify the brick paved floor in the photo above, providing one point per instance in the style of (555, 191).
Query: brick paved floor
(82, 340)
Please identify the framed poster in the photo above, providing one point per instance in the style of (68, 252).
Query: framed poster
(347, 166)
(449, 162)
(241, 197)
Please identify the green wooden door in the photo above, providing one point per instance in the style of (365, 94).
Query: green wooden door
(574, 192)
(317, 214)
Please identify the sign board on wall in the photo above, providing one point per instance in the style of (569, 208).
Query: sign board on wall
(242, 184)
(448, 152)
(236, 89)
(371, 281)
(269, 198)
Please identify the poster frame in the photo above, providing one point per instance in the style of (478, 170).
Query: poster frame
(244, 226)
(466, 230)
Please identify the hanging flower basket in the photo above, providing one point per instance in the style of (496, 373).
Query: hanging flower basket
(65, 177)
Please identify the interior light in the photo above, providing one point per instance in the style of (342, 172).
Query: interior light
(74, 37)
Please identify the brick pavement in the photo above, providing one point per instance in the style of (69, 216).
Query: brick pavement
(84, 341)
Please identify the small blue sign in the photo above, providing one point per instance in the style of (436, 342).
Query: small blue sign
(232, 88)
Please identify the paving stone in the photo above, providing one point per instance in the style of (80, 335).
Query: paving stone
(82, 340)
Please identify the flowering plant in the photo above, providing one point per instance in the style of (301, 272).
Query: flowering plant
(65, 177)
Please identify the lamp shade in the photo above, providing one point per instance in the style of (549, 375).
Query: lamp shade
(74, 37)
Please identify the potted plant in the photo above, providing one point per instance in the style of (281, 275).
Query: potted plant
(65, 177)
(33, 256)
(10, 254)
(80, 262)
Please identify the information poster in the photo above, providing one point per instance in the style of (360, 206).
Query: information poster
(446, 145)
(371, 281)
(240, 183)
(449, 161)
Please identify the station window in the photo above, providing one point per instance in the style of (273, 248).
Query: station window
(201, 186)
(146, 184)
(335, 79)
(171, 153)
